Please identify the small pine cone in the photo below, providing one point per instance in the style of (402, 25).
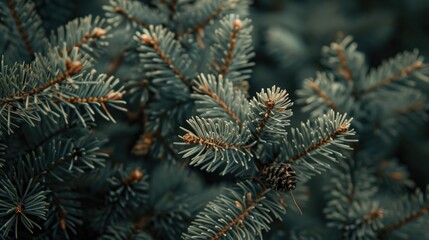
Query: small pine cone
(280, 176)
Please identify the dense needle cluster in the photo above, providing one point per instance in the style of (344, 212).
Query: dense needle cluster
(139, 124)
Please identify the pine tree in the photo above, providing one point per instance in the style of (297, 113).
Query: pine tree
(117, 127)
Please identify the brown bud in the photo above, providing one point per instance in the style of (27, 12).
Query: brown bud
(146, 38)
(418, 64)
(114, 95)
(373, 215)
(19, 209)
(249, 197)
(270, 103)
(189, 138)
(74, 67)
(63, 224)
(98, 32)
(237, 24)
(136, 175)
(397, 176)
(336, 47)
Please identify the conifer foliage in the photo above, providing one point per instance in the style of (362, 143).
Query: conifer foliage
(117, 127)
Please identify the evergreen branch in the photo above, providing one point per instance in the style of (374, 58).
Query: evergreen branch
(216, 143)
(410, 218)
(269, 113)
(93, 96)
(20, 27)
(321, 142)
(240, 218)
(343, 69)
(232, 41)
(217, 98)
(72, 68)
(396, 116)
(350, 206)
(240, 213)
(398, 73)
(232, 49)
(128, 190)
(323, 94)
(153, 42)
(343, 58)
(35, 87)
(49, 96)
(64, 157)
(313, 86)
(394, 175)
(396, 76)
(317, 143)
(21, 205)
(359, 224)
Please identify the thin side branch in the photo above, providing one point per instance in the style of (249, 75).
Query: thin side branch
(115, 64)
(404, 72)
(171, 8)
(124, 13)
(341, 129)
(240, 218)
(344, 66)
(208, 143)
(60, 210)
(20, 27)
(373, 215)
(59, 131)
(154, 43)
(217, 99)
(411, 108)
(270, 105)
(232, 43)
(97, 33)
(54, 165)
(112, 96)
(413, 216)
(323, 95)
(200, 26)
